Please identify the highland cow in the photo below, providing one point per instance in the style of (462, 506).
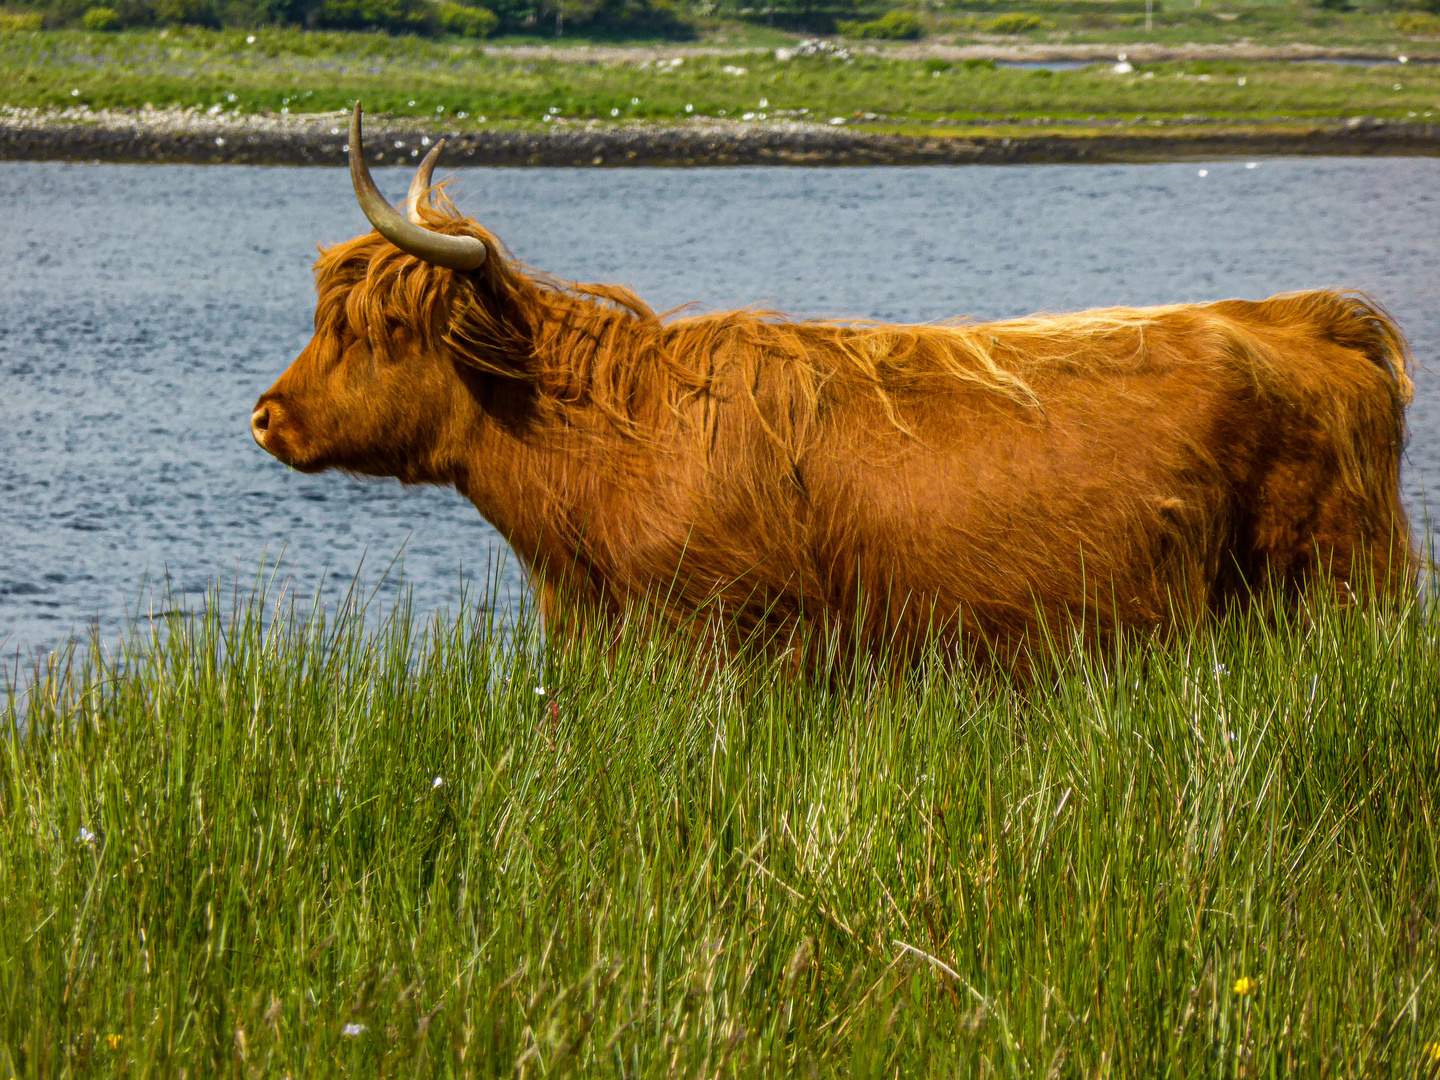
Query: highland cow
(742, 472)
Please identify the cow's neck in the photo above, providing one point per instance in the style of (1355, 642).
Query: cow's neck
(539, 482)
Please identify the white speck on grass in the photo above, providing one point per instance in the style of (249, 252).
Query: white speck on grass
(614, 112)
(410, 104)
(351, 1031)
(634, 101)
(1123, 68)
(249, 39)
(837, 119)
(74, 93)
(539, 691)
(84, 836)
(439, 781)
(1240, 81)
(689, 108)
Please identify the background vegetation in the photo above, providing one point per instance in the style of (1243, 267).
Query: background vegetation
(461, 84)
(258, 845)
(678, 20)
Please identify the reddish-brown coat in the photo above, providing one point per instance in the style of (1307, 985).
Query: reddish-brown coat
(1124, 467)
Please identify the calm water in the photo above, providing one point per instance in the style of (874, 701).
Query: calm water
(143, 310)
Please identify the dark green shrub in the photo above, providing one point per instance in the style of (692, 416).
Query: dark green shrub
(465, 21)
(396, 16)
(1015, 22)
(893, 25)
(101, 18)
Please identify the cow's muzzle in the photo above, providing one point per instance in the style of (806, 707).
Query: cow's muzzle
(273, 427)
(260, 423)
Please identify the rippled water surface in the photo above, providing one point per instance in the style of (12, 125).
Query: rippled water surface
(143, 310)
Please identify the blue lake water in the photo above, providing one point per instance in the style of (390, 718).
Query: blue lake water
(144, 308)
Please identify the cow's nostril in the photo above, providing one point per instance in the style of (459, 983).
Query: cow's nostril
(260, 421)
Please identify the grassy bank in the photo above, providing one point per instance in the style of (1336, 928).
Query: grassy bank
(319, 850)
(463, 84)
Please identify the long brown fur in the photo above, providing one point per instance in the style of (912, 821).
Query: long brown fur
(980, 482)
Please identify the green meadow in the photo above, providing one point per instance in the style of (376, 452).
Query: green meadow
(465, 84)
(257, 841)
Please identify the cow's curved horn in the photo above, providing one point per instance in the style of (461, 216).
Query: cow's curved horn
(420, 186)
(454, 252)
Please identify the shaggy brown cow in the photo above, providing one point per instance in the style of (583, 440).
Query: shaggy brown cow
(1131, 466)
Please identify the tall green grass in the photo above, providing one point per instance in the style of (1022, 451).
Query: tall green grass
(264, 843)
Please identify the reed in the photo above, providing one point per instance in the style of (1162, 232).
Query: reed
(262, 841)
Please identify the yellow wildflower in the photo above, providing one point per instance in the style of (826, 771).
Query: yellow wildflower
(114, 1041)
(1244, 985)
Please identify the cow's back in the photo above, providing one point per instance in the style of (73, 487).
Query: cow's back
(1164, 467)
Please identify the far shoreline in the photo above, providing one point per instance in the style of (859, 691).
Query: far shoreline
(193, 137)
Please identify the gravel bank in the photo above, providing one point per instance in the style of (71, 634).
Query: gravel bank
(193, 137)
